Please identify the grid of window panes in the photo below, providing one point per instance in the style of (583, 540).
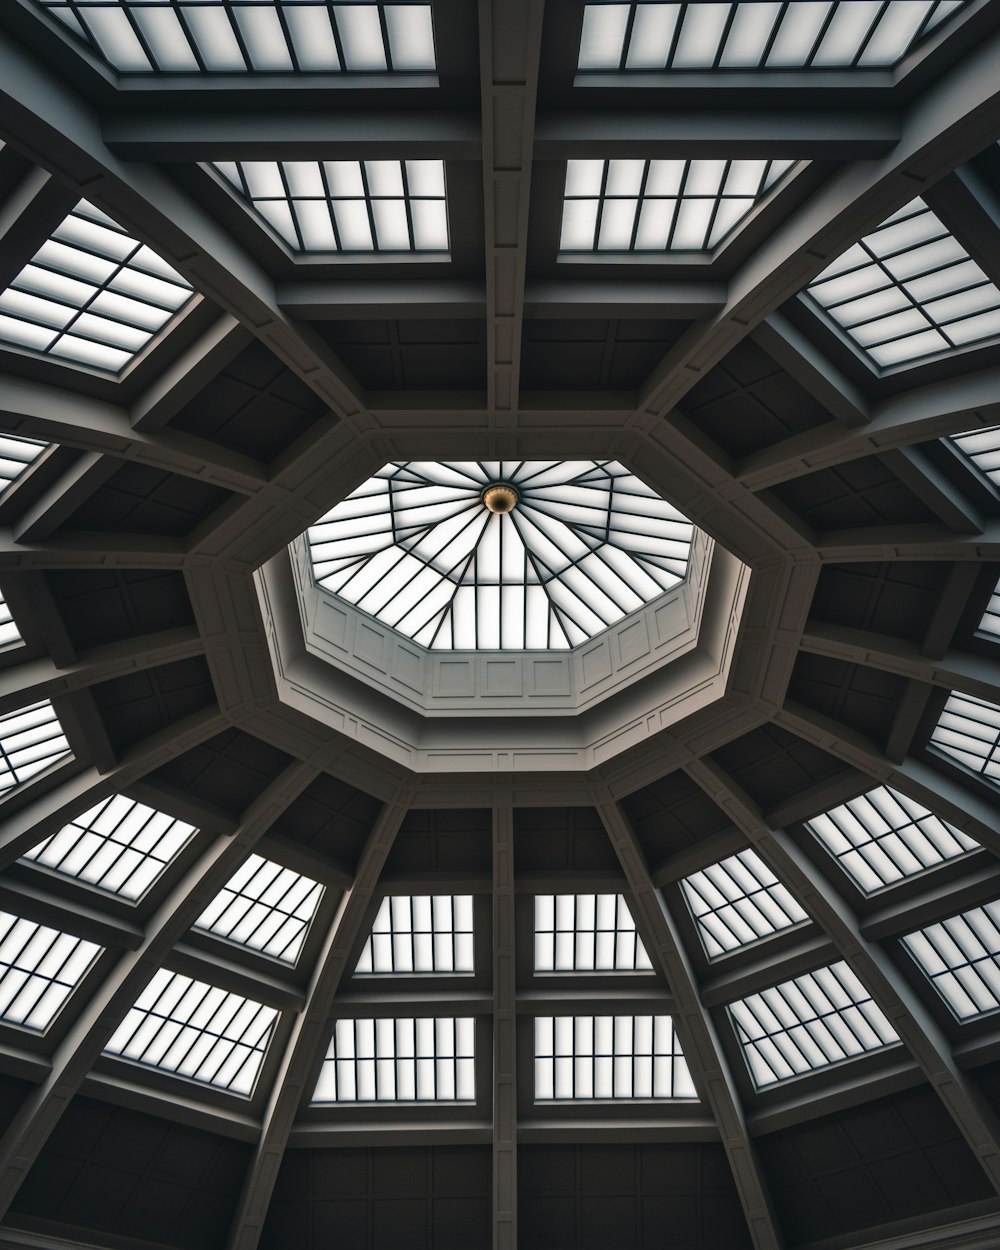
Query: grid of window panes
(30, 740)
(581, 1058)
(196, 1031)
(427, 1059)
(808, 1023)
(586, 543)
(265, 907)
(16, 455)
(346, 206)
(968, 730)
(587, 933)
(990, 624)
(420, 933)
(119, 845)
(961, 957)
(653, 206)
(756, 34)
(91, 295)
(253, 36)
(883, 837)
(908, 290)
(8, 628)
(982, 447)
(739, 901)
(39, 969)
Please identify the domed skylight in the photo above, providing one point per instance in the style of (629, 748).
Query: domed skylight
(510, 555)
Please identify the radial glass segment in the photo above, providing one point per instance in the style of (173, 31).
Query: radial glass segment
(737, 902)
(968, 730)
(609, 1058)
(423, 1059)
(587, 933)
(566, 549)
(961, 956)
(39, 969)
(30, 740)
(420, 934)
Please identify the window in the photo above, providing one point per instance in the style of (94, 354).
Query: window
(968, 730)
(241, 36)
(587, 933)
(92, 295)
(990, 624)
(581, 1058)
(982, 447)
(120, 846)
(660, 205)
(581, 544)
(420, 934)
(346, 206)
(39, 969)
(16, 455)
(30, 740)
(739, 901)
(265, 907)
(754, 34)
(808, 1023)
(196, 1031)
(908, 291)
(883, 837)
(961, 956)
(9, 633)
(404, 1060)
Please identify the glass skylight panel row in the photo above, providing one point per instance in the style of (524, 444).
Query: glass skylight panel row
(400, 1060)
(583, 1058)
(990, 624)
(739, 901)
(30, 740)
(756, 34)
(9, 633)
(968, 730)
(420, 934)
(883, 837)
(417, 548)
(961, 956)
(265, 907)
(587, 933)
(91, 295)
(660, 205)
(346, 206)
(16, 455)
(252, 36)
(982, 447)
(196, 1031)
(120, 846)
(39, 969)
(909, 290)
(808, 1023)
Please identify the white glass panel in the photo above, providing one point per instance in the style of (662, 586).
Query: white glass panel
(39, 969)
(961, 957)
(583, 1058)
(264, 907)
(586, 933)
(420, 935)
(399, 1060)
(737, 902)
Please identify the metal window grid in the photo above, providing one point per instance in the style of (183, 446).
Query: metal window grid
(237, 37)
(91, 295)
(883, 837)
(422, 1060)
(739, 901)
(416, 548)
(346, 206)
(982, 447)
(30, 740)
(120, 846)
(640, 206)
(968, 730)
(9, 632)
(420, 934)
(196, 1031)
(907, 291)
(808, 1023)
(588, 1058)
(39, 969)
(990, 624)
(961, 958)
(264, 907)
(16, 455)
(814, 34)
(586, 933)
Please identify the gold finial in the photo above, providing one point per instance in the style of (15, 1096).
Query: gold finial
(500, 497)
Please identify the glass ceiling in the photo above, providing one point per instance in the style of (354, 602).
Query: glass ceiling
(982, 447)
(587, 933)
(609, 1057)
(30, 740)
(39, 969)
(961, 956)
(990, 624)
(346, 206)
(739, 901)
(907, 291)
(426, 1059)
(420, 934)
(660, 205)
(756, 34)
(259, 36)
(91, 295)
(16, 456)
(968, 730)
(9, 633)
(417, 547)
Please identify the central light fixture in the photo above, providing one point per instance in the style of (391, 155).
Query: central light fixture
(500, 497)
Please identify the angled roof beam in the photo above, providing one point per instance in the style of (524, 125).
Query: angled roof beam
(79, 550)
(788, 346)
(28, 216)
(908, 542)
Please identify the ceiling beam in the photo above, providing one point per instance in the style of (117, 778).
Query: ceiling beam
(802, 359)
(79, 550)
(908, 542)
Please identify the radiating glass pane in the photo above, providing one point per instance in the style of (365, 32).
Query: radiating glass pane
(737, 902)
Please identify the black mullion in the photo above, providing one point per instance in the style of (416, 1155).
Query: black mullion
(330, 203)
(875, 24)
(41, 743)
(676, 35)
(640, 200)
(753, 1044)
(627, 36)
(189, 35)
(818, 41)
(543, 582)
(380, 9)
(279, 11)
(724, 37)
(678, 204)
(234, 25)
(841, 1013)
(769, 42)
(368, 206)
(450, 605)
(291, 205)
(335, 30)
(600, 205)
(126, 10)
(32, 975)
(206, 1030)
(578, 564)
(406, 190)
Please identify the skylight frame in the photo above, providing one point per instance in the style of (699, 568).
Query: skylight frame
(980, 449)
(738, 902)
(10, 635)
(91, 280)
(17, 455)
(190, 1029)
(40, 969)
(275, 39)
(878, 837)
(422, 935)
(989, 625)
(967, 732)
(797, 1027)
(27, 744)
(617, 1058)
(960, 957)
(581, 934)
